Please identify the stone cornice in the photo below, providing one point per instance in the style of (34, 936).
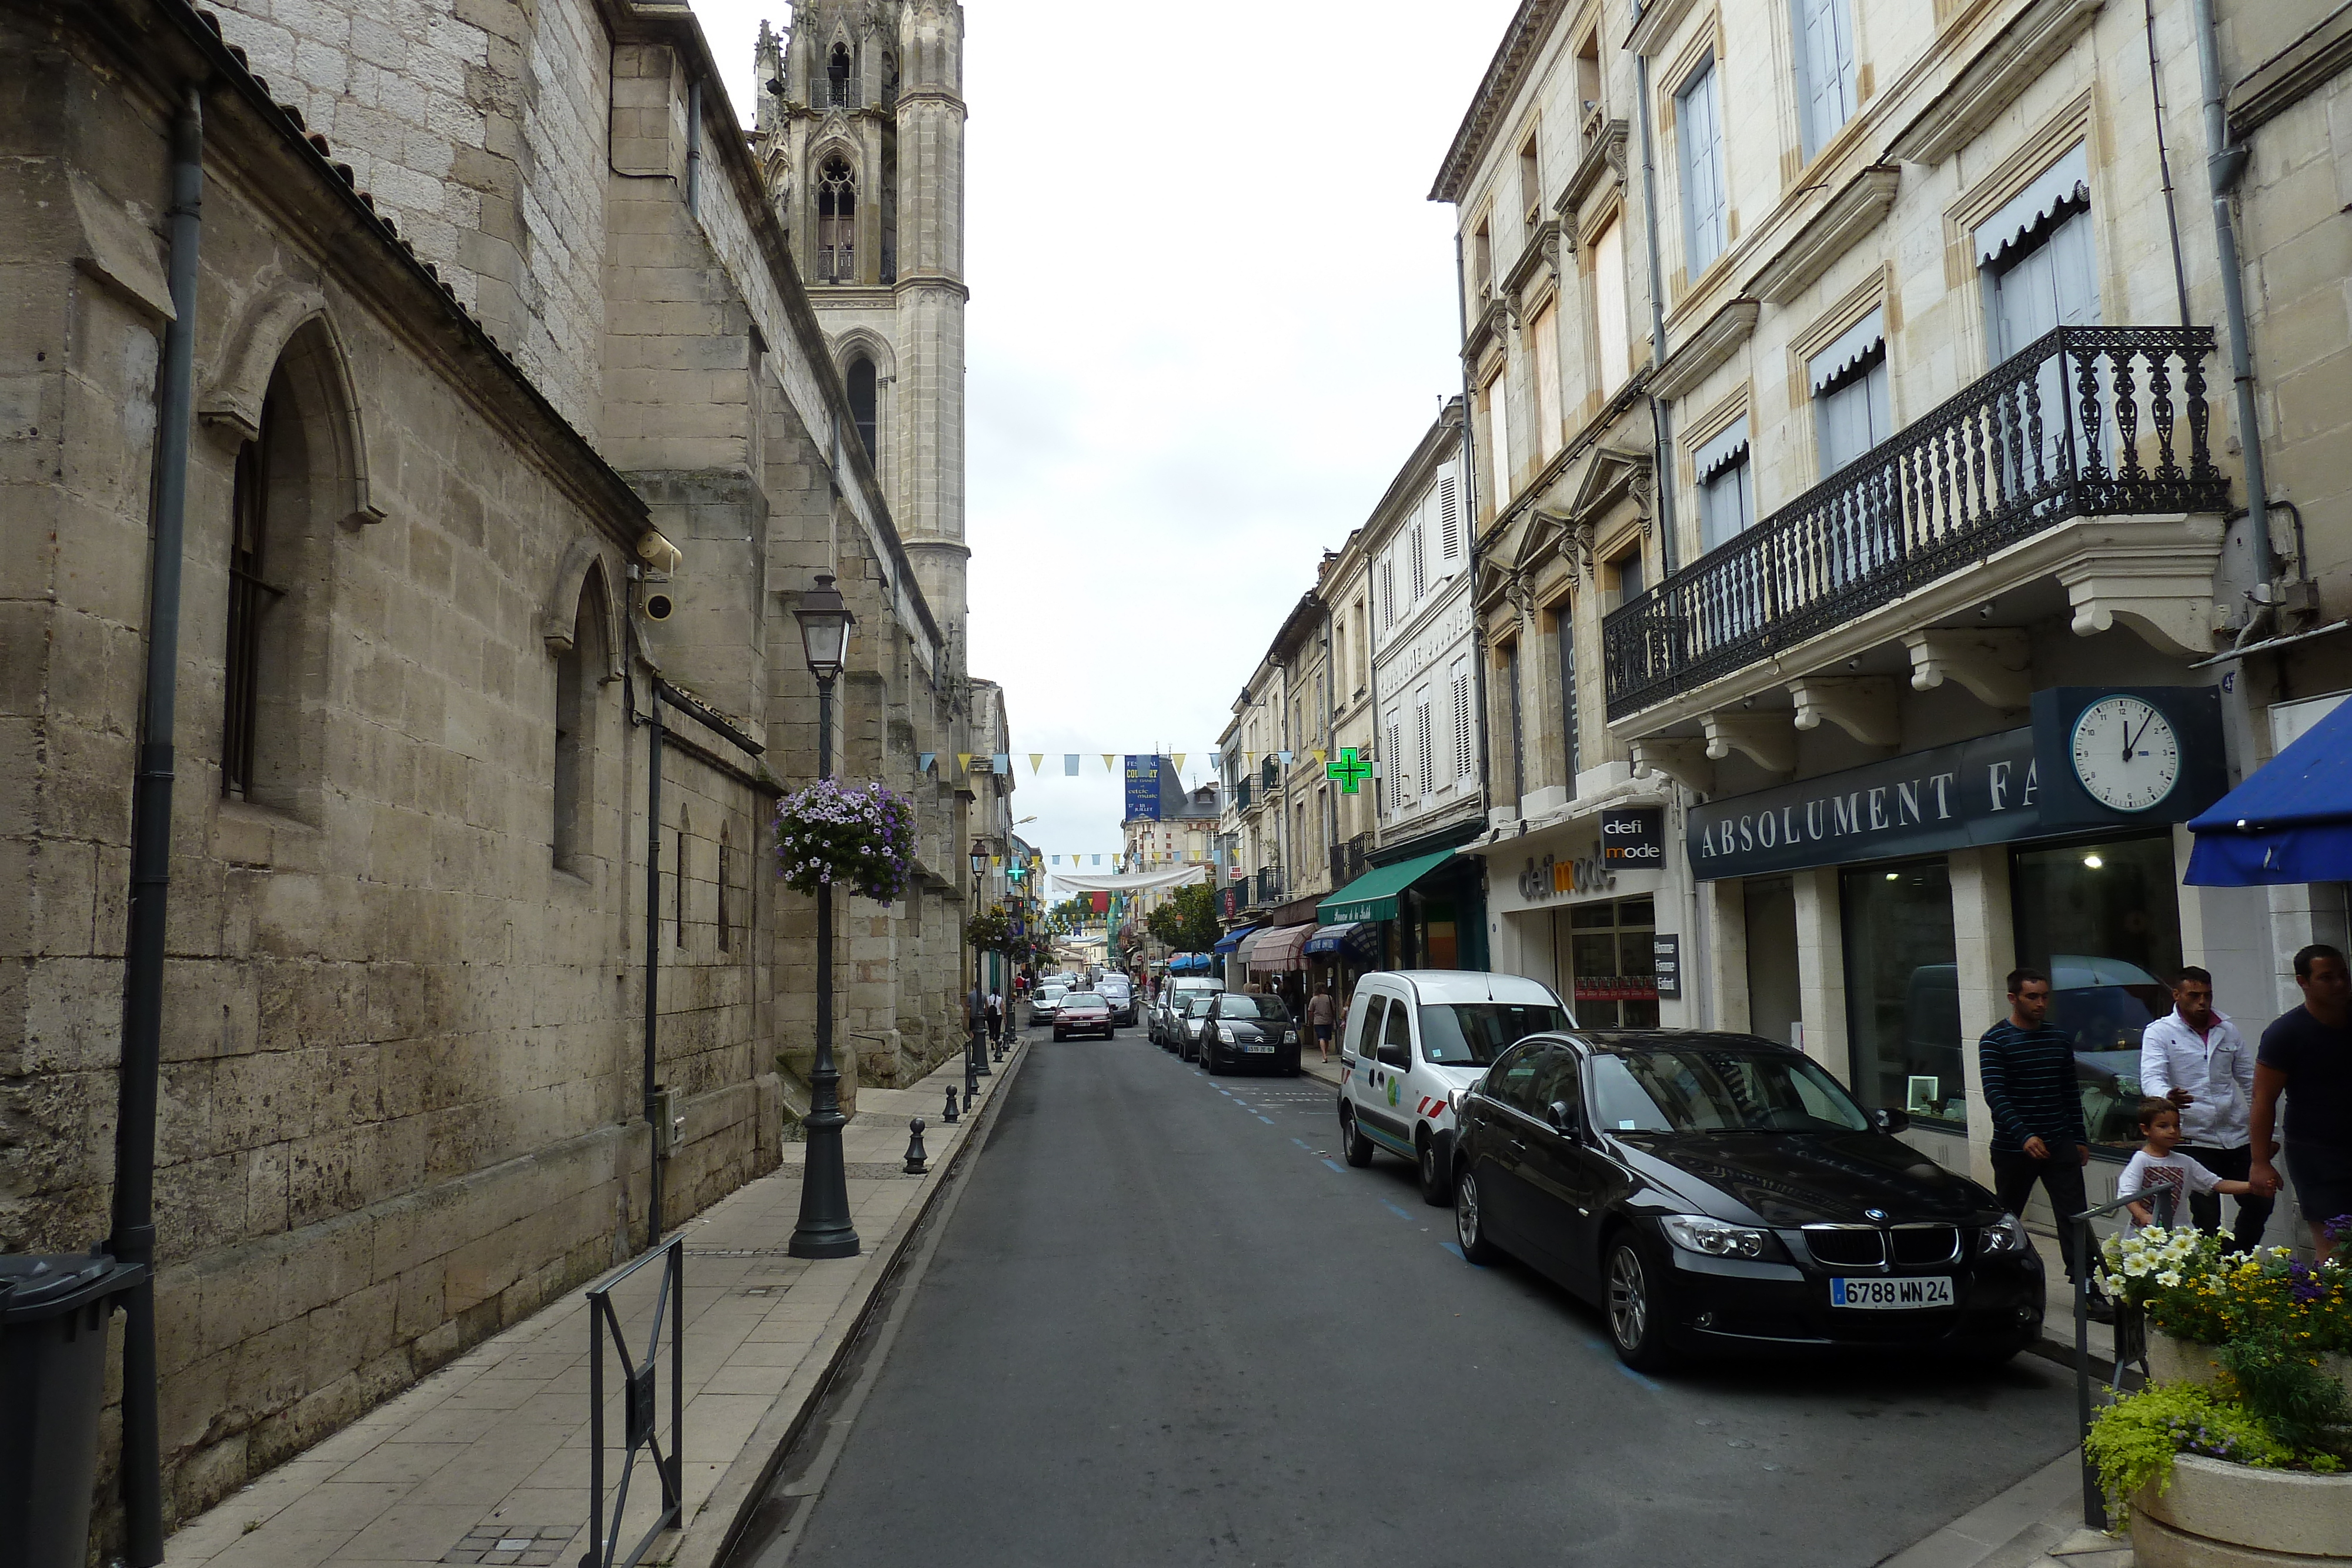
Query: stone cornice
(1657, 24)
(1844, 218)
(2014, 60)
(1606, 153)
(2288, 77)
(1505, 73)
(1704, 350)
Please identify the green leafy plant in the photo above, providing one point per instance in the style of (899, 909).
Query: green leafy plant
(2193, 1288)
(2280, 1380)
(2134, 1441)
(1187, 921)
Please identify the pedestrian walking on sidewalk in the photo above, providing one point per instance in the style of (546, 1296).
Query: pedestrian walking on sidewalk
(2306, 1054)
(2027, 1069)
(1320, 1012)
(2194, 1058)
(995, 1018)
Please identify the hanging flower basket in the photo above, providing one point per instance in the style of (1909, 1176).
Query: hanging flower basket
(860, 837)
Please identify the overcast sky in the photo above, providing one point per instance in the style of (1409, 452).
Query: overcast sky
(1211, 313)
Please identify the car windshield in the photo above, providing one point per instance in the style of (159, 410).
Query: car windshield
(1194, 1006)
(1248, 1007)
(1052, 994)
(1472, 1034)
(1083, 999)
(1695, 1089)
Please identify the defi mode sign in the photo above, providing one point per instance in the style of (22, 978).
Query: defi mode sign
(1633, 837)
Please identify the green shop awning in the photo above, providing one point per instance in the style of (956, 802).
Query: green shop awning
(1373, 895)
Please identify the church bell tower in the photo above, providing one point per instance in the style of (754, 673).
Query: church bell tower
(859, 133)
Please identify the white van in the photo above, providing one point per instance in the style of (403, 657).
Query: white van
(1414, 1039)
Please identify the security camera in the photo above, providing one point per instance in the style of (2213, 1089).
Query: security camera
(657, 553)
(657, 602)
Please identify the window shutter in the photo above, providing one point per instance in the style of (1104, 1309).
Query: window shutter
(1699, 127)
(1499, 441)
(1416, 545)
(1388, 594)
(1423, 742)
(1611, 334)
(1546, 333)
(1463, 759)
(1449, 511)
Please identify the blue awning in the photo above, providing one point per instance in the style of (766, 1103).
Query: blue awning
(1360, 940)
(2290, 821)
(1231, 939)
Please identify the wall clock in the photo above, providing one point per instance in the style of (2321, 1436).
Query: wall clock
(2125, 753)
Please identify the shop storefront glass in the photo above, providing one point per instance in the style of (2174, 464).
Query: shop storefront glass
(2103, 921)
(1903, 990)
(1611, 956)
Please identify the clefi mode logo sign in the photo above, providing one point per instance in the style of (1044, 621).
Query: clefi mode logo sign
(1633, 839)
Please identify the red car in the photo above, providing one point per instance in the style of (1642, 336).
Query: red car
(1083, 1012)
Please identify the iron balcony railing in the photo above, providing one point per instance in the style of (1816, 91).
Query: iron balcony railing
(2054, 432)
(837, 264)
(1269, 886)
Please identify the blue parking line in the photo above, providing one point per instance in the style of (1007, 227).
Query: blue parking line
(1267, 1120)
(1337, 1166)
(1455, 1248)
(1393, 1208)
(1301, 1142)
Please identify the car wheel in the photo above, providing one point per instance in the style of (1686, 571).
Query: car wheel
(1636, 1307)
(1470, 1223)
(1209, 1058)
(1353, 1142)
(1434, 1154)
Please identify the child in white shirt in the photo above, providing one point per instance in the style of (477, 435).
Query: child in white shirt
(2156, 1168)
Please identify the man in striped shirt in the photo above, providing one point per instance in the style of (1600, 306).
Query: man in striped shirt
(2027, 1069)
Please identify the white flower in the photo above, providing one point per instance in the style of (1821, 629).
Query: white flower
(2170, 1278)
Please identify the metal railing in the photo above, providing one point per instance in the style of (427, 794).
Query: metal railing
(841, 92)
(2054, 432)
(640, 1402)
(2130, 1338)
(837, 264)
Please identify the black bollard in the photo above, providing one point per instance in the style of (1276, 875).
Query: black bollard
(1000, 1049)
(915, 1153)
(951, 1115)
(968, 1092)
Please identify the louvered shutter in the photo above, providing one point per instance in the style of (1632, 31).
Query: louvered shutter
(1416, 546)
(1699, 127)
(1449, 513)
(1423, 746)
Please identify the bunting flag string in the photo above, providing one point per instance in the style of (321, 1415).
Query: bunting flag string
(1001, 763)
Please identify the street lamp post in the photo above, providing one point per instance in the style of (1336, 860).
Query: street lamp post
(978, 1049)
(823, 1230)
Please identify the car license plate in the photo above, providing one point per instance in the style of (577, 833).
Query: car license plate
(1892, 1295)
(1259, 1049)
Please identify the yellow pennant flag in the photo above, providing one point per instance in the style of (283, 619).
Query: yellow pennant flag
(963, 761)
(1180, 763)
(1111, 762)
(1036, 763)
(1318, 757)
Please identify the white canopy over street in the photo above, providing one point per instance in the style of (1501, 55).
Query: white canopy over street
(1130, 881)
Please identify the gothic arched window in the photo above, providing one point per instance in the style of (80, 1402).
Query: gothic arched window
(861, 406)
(837, 223)
(837, 77)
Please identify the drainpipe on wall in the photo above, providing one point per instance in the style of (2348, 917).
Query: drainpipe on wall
(1470, 511)
(1661, 463)
(133, 1240)
(2225, 161)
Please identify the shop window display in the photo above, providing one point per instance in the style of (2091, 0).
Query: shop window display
(1614, 962)
(2102, 922)
(1903, 996)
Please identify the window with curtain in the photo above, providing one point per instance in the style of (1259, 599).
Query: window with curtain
(1848, 381)
(1726, 494)
(1611, 334)
(1698, 128)
(1563, 632)
(1827, 79)
(1499, 444)
(2040, 273)
(1544, 332)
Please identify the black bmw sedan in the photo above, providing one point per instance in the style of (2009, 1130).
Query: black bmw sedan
(1722, 1191)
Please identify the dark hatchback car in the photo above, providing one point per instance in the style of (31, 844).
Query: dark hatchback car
(1722, 1191)
(1084, 1012)
(1242, 1029)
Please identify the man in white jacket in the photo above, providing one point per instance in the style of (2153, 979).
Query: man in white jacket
(2194, 1056)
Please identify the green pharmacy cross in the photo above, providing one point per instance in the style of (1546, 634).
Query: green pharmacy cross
(1349, 770)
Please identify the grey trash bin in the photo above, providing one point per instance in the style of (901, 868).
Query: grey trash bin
(53, 1312)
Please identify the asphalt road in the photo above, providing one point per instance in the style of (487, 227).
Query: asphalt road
(1166, 1324)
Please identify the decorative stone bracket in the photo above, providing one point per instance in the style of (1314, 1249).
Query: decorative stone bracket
(1995, 664)
(2165, 593)
(1861, 706)
(1684, 761)
(1765, 738)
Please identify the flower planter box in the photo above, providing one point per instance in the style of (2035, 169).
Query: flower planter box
(2171, 1360)
(2220, 1515)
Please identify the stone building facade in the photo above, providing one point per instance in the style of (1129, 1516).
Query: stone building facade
(512, 411)
(1923, 436)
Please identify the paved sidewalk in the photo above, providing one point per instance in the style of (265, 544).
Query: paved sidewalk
(486, 1460)
(2037, 1523)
